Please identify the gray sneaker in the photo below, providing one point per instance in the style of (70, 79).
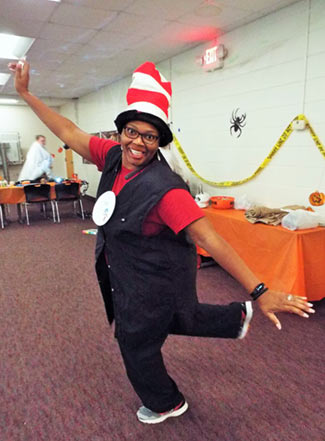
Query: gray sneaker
(147, 416)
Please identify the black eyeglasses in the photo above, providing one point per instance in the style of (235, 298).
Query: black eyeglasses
(147, 138)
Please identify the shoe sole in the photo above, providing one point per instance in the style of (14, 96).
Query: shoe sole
(249, 315)
(164, 417)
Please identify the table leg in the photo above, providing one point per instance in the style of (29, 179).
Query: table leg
(4, 216)
(20, 219)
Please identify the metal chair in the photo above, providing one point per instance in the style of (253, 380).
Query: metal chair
(67, 192)
(38, 194)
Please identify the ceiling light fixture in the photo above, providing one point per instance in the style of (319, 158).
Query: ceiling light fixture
(58, 1)
(4, 77)
(208, 8)
(14, 47)
(8, 101)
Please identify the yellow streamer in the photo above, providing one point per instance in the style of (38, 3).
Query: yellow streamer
(283, 138)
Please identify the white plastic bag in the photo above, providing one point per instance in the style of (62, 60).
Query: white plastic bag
(243, 203)
(300, 219)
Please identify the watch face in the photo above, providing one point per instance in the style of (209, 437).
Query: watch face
(259, 287)
(104, 208)
(258, 291)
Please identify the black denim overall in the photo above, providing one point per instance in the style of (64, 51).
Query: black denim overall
(149, 283)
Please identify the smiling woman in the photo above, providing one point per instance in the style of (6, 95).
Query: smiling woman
(145, 253)
(139, 142)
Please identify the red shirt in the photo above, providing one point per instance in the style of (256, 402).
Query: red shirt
(167, 211)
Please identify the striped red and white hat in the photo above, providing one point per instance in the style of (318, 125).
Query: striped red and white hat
(148, 100)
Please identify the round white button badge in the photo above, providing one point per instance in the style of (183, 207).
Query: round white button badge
(104, 208)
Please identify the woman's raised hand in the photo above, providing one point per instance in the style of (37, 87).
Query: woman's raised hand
(21, 69)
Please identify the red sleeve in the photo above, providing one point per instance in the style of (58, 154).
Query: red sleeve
(177, 209)
(98, 148)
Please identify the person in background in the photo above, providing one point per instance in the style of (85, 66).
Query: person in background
(38, 162)
(146, 257)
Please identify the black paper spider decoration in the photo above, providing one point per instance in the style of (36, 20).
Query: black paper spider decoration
(237, 123)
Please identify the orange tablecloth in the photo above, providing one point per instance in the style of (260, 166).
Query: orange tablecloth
(289, 261)
(16, 195)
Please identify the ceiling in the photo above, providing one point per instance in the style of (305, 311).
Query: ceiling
(82, 45)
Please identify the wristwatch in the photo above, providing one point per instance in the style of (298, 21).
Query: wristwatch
(258, 291)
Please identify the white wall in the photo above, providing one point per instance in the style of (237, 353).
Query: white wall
(274, 71)
(22, 119)
(94, 113)
(264, 76)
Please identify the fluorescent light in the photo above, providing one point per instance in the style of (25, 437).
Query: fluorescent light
(4, 77)
(8, 101)
(14, 47)
(58, 1)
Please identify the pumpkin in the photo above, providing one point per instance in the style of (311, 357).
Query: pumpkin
(317, 198)
(222, 202)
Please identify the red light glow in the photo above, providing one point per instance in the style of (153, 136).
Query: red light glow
(201, 34)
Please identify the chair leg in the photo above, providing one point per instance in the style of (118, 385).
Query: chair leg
(57, 211)
(44, 210)
(19, 214)
(1, 218)
(26, 212)
(82, 209)
(53, 211)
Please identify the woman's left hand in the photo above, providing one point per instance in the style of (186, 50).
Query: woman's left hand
(21, 70)
(274, 301)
